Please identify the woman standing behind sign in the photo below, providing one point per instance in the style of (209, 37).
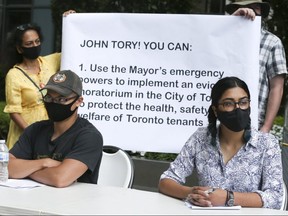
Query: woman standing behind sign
(235, 164)
(28, 73)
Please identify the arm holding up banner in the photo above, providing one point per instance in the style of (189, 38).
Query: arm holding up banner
(245, 12)
(272, 63)
(242, 164)
(66, 13)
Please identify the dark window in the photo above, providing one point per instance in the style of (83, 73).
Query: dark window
(15, 17)
(12, 14)
(19, 2)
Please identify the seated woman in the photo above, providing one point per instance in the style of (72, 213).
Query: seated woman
(235, 163)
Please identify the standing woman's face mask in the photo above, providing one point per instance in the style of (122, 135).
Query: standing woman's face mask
(31, 45)
(31, 52)
(233, 109)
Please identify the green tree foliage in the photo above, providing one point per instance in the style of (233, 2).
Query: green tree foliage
(2, 84)
(4, 121)
(160, 156)
(122, 6)
(279, 22)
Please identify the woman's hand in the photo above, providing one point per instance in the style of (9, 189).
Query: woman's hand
(66, 13)
(207, 197)
(199, 196)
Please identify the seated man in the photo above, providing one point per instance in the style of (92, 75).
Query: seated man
(63, 149)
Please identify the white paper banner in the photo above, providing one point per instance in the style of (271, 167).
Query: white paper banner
(147, 77)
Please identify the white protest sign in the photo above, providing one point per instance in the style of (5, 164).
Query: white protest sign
(147, 78)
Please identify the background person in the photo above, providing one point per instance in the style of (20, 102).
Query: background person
(242, 163)
(28, 73)
(272, 62)
(65, 148)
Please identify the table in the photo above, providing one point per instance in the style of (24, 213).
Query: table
(85, 199)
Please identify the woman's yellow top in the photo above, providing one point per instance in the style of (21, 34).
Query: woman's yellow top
(23, 97)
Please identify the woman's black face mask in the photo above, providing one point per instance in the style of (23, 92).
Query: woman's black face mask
(31, 52)
(235, 120)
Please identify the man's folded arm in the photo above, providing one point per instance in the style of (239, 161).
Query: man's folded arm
(21, 168)
(60, 176)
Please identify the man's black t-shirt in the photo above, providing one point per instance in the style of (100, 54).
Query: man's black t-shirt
(82, 142)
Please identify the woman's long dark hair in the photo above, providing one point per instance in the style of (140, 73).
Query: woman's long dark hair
(15, 39)
(216, 93)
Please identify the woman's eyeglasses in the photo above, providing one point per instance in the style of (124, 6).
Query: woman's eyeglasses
(230, 105)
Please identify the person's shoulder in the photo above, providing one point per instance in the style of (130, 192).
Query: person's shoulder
(53, 56)
(42, 123)
(198, 141)
(38, 126)
(14, 71)
(201, 130)
(84, 122)
(200, 133)
(261, 134)
(263, 140)
(269, 36)
(87, 126)
(86, 129)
